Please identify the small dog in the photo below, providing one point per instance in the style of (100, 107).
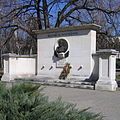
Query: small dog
(65, 71)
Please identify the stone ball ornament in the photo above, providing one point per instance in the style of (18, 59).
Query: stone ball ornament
(61, 49)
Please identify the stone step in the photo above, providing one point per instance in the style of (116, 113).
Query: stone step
(62, 83)
(84, 86)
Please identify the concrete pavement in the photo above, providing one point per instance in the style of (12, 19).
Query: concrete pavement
(104, 102)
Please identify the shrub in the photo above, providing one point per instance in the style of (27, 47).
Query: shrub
(118, 63)
(25, 102)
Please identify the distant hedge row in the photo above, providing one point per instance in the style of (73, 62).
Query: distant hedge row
(118, 63)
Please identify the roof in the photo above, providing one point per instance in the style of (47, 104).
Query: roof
(70, 28)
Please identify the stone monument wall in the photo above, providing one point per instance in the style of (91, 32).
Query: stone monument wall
(82, 44)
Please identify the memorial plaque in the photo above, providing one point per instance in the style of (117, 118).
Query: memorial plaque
(61, 63)
(61, 49)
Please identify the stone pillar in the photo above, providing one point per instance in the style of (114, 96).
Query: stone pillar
(9, 67)
(107, 70)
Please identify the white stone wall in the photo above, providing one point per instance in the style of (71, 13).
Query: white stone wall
(82, 46)
(18, 66)
(29, 63)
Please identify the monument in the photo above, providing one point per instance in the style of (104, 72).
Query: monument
(69, 51)
(74, 45)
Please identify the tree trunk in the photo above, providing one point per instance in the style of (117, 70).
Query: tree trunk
(46, 14)
(37, 2)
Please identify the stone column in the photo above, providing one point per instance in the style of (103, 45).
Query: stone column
(107, 70)
(9, 66)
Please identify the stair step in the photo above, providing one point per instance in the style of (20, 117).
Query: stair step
(62, 83)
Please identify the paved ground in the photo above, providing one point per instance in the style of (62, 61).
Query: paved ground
(107, 103)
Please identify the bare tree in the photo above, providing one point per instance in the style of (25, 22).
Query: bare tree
(83, 11)
(26, 15)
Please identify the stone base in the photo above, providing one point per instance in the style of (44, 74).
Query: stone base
(56, 82)
(109, 85)
(7, 77)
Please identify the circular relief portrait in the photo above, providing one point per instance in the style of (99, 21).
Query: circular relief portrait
(61, 48)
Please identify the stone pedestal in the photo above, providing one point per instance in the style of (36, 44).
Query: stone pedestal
(107, 70)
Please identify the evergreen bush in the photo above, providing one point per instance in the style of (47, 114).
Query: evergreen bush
(26, 102)
(118, 63)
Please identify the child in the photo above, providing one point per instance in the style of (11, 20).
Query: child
(65, 71)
